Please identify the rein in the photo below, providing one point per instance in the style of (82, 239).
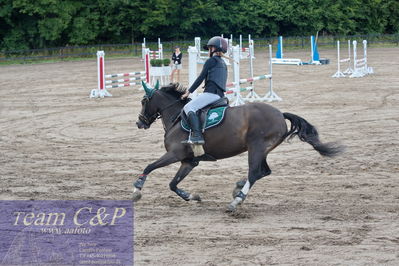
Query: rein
(174, 118)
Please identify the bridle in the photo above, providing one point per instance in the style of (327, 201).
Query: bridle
(143, 117)
(148, 120)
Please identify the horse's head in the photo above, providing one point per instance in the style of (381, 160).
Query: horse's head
(149, 111)
(154, 102)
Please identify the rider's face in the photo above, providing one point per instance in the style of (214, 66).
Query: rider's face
(211, 49)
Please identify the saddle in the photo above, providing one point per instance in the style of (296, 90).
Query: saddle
(210, 116)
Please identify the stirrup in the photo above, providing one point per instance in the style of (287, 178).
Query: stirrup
(200, 141)
(191, 142)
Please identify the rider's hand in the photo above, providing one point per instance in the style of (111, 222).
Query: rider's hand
(185, 95)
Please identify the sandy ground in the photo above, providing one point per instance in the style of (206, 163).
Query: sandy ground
(56, 143)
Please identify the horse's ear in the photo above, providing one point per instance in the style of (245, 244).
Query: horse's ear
(157, 85)
(147, 90)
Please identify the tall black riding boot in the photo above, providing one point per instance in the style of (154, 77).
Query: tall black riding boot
(195, 124)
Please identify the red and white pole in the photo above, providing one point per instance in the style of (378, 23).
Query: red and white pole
(101, 91)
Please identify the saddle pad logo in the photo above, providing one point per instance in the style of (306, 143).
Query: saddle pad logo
(212, 117)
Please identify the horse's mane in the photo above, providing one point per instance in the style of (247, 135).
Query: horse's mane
(175, 89)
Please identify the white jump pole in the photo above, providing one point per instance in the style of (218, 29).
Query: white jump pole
(369, 70)
(349, 70)
(271, 95)
(356, 71)
(338, 74)
(240, 52)
(236, 76)
(252, 95)
(192, 67)
(101, 91)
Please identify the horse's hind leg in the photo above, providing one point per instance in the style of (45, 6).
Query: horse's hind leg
(184, 170)
(265, 170)
(258, 168)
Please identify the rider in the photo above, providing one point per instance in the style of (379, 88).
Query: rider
(214, 73)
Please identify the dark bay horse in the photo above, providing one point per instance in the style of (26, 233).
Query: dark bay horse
(256, 127)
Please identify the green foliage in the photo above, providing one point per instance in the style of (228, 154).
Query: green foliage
(156, 62)
(166, 62)
(27, 24)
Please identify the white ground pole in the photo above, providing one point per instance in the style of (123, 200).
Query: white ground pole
(271, 95)
(192, 67)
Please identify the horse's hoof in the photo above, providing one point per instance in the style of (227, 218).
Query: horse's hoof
(239, 185)
(231, 208)
(136, 195)
(235, 192)
(195, 197)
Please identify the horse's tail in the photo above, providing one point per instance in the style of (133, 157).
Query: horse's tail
(308, 133)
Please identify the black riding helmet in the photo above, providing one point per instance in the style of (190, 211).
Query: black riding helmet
(218, 42)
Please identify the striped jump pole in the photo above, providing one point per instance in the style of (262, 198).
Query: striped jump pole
(102, 92)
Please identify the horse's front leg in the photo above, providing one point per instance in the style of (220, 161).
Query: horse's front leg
(184, 170)
(166, 159)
